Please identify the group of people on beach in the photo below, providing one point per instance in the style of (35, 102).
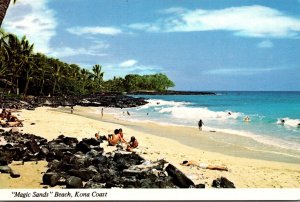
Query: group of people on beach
(7, 119)
(118, 139)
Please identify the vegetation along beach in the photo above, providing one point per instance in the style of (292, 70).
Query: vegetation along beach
(169, 98)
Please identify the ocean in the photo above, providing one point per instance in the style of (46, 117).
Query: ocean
(265, 110)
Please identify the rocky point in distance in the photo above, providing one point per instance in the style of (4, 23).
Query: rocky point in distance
(171, 92)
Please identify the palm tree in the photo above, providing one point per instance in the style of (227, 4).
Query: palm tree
(12, 48)
(42, 69)
(74, 72)
(18, 53)
(98, 75)
(56, 73)
(3, 69)
(3, 8)
(3, 43)
(86, 77)
(28, 69)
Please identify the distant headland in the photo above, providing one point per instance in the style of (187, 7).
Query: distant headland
(171, 92)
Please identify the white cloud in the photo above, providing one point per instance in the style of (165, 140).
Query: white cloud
(68, 51)
(177, 10)
(132, 67)
(238, 71)
(247, 21)
(94, 30)
(128, 63)
(265, 44)
(33, 19)
(99, 45)
(146, 27)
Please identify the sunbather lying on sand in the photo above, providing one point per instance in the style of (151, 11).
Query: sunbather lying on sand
(203, 165)
(14, 124)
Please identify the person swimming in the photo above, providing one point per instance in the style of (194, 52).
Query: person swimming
(247, 119)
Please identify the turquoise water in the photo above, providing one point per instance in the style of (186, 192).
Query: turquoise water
(265, 109)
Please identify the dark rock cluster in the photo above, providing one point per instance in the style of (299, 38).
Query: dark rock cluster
(96, 100)
(84, 164)
(14, 103)
(172, 92)
(117, 100)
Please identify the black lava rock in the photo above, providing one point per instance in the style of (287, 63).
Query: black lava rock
(180, 179)
(51, 179)
(222, 182)
(74, 182)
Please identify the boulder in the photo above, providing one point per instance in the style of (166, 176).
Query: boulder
(3, 161)
(70, 141)
(83, 147)
(92, 141)
(14, 174)
(51, 178)
(74, 182)
(83, 173)
(222, 182)
(179, 179)
(33, 146)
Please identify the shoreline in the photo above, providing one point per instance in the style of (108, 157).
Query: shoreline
(50, 123)
(219, 142)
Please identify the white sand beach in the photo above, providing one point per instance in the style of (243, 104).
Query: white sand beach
(245, 170)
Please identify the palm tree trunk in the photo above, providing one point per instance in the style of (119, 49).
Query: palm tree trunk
(42, 86)
(54, 87)
(3, 8)
(26, 87)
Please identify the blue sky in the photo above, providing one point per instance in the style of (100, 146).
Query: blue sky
(199, 44)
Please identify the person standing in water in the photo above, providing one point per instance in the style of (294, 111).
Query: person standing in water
(200, 123)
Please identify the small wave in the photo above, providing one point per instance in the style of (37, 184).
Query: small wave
(157, 102)
(199, 112)
(288, 122)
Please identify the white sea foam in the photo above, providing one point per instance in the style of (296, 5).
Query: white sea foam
(159, 103)
(289, 122)
(198, 112)
(184, 111)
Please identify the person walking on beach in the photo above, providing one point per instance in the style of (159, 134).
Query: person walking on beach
(102, 113)
(72, 109)
(200, 123)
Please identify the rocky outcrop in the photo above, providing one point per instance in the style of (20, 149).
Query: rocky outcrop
(84, 164)
(116, 100)
(171, 92)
